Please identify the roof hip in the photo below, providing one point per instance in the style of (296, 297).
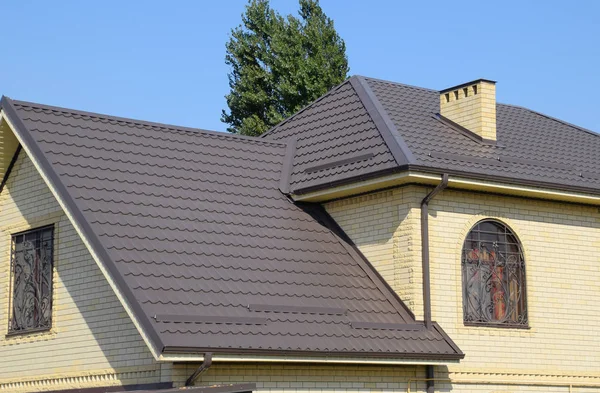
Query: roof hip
(385, 125)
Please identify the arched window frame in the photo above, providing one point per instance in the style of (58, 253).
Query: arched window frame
(493, 269)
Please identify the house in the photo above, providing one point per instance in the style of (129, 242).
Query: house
(385, 238)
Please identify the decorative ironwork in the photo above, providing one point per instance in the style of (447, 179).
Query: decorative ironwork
(32, 265)
(493, 273)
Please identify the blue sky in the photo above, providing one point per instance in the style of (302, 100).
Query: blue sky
(164, 61)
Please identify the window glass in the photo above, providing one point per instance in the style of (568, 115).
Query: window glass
(493, 274)
(32, 266)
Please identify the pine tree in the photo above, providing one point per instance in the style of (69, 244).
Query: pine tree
(279, 65)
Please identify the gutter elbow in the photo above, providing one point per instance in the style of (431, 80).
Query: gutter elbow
(439, 188)
(203, 368)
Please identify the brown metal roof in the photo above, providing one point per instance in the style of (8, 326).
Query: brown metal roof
(210, 254)
(338, 137)
(532, 148)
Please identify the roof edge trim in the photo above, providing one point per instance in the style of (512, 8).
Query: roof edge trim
(287, 166)
(392, 138)
(428, 175)
(82, 227)
(441, 331)
(276, 355)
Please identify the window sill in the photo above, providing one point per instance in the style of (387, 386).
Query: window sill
(23, 333)
(500, 326)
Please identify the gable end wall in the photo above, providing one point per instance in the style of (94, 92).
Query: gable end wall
(92, 341)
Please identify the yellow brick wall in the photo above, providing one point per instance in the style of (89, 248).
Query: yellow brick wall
(324, 378)
(92, 341)
(475, 112)
(304, 378)
(562, 251)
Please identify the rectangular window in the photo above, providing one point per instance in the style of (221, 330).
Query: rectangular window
(32, 263)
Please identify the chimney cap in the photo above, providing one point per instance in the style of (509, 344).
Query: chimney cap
(467, 84)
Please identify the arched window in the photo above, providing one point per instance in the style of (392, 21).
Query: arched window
(493, 274)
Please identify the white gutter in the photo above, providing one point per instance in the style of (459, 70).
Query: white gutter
(457, 182)
(303, 359)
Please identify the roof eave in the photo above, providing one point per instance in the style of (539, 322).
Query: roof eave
(278, 355)
(354, 185)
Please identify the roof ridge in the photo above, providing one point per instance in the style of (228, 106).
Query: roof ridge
(553, 118)
(398, 83)
(164, 126)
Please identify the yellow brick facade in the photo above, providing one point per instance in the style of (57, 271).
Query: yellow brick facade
(302, 378)
(562, 247)
(92, 341)
(472, 106)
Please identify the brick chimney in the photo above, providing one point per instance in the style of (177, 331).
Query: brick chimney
(472, 105)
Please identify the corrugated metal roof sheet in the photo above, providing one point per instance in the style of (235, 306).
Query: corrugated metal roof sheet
(531, 147)
(336, 139)
(213, 255)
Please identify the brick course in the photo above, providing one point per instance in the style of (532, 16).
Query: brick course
(561, 242)
(92, 341)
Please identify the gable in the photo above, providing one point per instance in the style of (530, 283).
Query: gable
(90, 329)
(191, 227)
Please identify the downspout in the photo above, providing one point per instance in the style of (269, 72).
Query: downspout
(203, 367)
(429, 372)
(425, 248)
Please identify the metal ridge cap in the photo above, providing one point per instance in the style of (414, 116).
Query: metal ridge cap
(386, 127)
(400, 84)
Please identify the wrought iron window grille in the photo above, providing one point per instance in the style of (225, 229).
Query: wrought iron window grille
(493, 276)
(32, 265)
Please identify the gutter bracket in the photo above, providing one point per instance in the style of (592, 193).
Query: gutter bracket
(425, 248)
(203, 367)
